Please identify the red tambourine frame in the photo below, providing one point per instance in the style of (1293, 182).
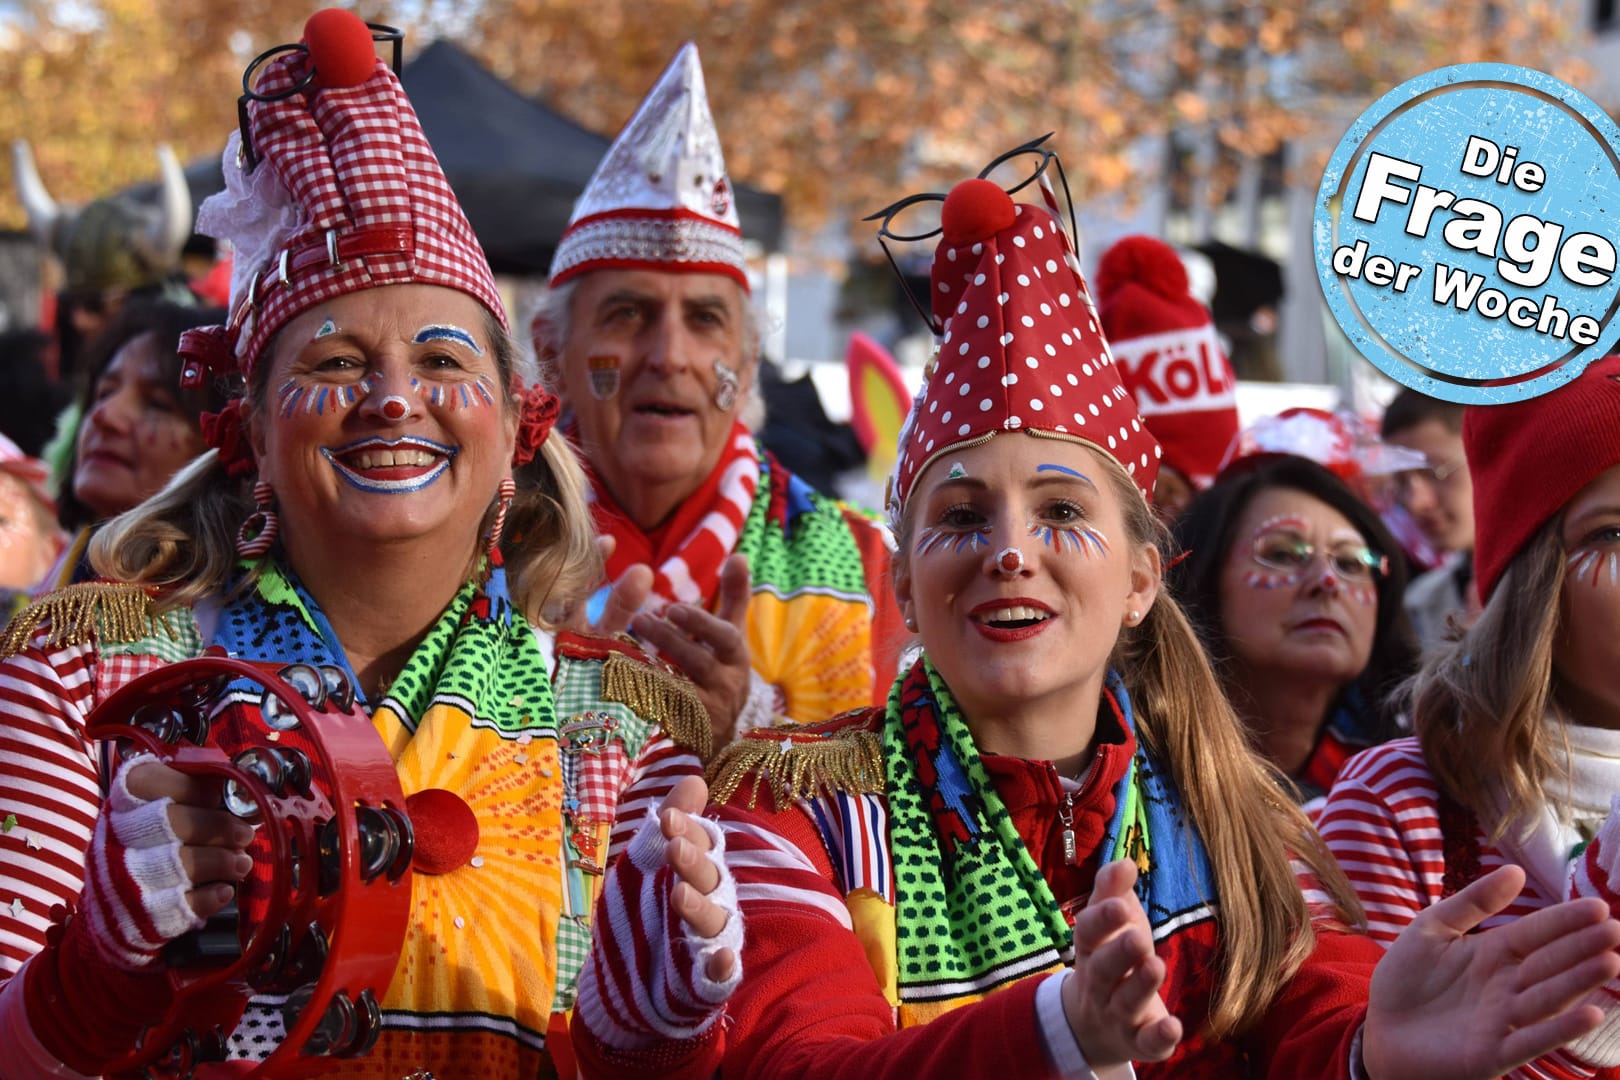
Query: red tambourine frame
(334, 845)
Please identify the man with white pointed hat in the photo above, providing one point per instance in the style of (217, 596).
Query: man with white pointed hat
(649, 334)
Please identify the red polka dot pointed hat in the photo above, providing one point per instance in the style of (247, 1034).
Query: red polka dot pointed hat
(1020, 346)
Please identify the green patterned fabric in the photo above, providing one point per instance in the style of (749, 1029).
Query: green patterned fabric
(798, 540)
(174, 638)
(972, 910)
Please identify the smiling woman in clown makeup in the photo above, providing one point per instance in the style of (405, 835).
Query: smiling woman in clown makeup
(383, 501)
(385, 428)
(1051, 854)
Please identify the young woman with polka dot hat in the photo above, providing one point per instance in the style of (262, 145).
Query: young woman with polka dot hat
(1052, 853)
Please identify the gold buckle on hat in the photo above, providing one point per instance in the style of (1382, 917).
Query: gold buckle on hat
(332, 249)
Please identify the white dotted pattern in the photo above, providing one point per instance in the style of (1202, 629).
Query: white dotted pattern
(1017, 290)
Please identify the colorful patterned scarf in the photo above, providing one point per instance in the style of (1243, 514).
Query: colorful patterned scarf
(472, 712)
(689, 548)
(972, 910)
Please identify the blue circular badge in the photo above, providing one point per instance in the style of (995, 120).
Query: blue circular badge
(1466, 233)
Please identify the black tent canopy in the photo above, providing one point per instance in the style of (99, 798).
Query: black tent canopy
(515, 165)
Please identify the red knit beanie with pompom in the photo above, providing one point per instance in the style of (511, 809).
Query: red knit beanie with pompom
(1168, 355)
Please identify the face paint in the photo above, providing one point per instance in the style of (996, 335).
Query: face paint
(1595, 568)
(1065, 470)
(317, 399)
(446, 332)
(937, 538)
(1362, 594)
(1265, 579)
(328, 328)
(1082, 539)
(394, 407)
(956, 471)
(726, 386)
(477, 394)
(1009, 561)
(439, 454)
(604, 375)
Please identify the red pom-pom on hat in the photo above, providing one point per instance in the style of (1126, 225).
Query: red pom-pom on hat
(340, 48)
(446, 831)
(1148, 262)
(975, 210)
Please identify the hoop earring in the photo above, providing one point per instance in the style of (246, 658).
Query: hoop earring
(503, 502)
(258, 533)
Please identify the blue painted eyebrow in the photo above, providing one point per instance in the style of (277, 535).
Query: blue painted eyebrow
(1064, 469)
(447, 333)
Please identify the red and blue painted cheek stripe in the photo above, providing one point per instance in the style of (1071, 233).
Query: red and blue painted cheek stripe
(1594, 568)
(1081, 539)
(938, 539)
(317, 399)
(391, 466)
(477, 393)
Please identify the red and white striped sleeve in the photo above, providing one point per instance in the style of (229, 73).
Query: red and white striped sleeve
(50, 793)
(808, 1004)
(1382, 824)
(652, 774)
(1596, 872)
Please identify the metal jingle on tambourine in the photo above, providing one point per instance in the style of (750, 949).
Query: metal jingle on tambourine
(308, 681)
(292, 962)
(282, 769)
(386, 839)
(309, 955)
(338, 1027)
(204, 694)
(277, 713)
(170, 723)
(369, 1024)
(339, 687)
(267, 976)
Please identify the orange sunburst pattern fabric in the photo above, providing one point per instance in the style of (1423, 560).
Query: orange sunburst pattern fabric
(816, 650)
(482, 939)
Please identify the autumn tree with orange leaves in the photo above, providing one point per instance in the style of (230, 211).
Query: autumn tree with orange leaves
(839, 107)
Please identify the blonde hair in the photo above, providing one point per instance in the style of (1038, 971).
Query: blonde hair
(1480, 707)
(183, 539)
(1235, 800)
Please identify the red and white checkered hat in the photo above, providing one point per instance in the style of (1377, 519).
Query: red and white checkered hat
(346, 193)
(1021, 347)
(660, 199)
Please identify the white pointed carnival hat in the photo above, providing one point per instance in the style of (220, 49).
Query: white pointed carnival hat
(660, 199)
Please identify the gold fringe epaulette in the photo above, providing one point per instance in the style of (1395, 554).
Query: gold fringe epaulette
(796, 765)
(109, 610)
(663, 697)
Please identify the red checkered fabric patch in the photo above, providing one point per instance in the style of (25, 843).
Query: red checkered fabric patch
(356, 159)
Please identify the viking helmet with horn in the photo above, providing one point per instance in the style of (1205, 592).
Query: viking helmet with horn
(118, 242)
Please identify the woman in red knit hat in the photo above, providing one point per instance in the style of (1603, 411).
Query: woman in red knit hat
(1517, 753)
(1057, 782)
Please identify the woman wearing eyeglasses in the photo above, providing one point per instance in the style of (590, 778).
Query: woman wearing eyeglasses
(1516, 757)
(1289, 582)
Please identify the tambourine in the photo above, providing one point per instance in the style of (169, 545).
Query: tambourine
(325, 917)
